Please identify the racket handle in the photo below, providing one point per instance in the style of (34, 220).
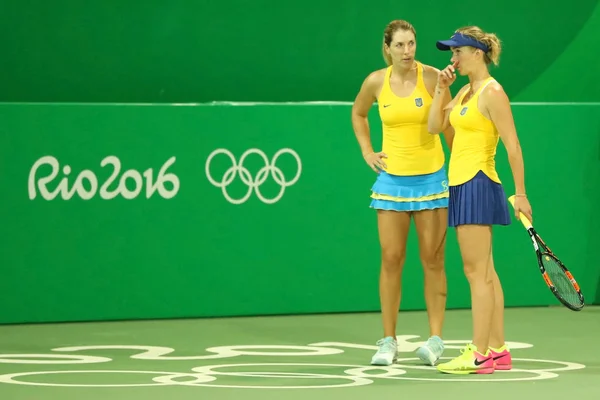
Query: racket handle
(524, 220)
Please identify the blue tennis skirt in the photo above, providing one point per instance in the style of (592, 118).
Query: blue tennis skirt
(480, 201)
(410, 193)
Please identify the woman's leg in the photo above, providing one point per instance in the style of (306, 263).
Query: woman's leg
(393, 233)
(497, 330)
(500, 351)
(475, 242)
(431, 228)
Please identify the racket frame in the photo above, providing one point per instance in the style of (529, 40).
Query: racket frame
(547, 252)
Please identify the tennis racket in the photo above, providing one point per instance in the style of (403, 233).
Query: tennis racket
(558, 278)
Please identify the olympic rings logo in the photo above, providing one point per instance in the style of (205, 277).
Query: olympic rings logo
(290, 374)
(255, 182)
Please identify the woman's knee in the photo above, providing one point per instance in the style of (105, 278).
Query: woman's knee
(432, 230)
(432, 258)
(393, 234)
(478, 272)
(475, 247)
(392, 259)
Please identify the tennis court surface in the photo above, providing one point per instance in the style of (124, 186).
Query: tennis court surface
(313, 357)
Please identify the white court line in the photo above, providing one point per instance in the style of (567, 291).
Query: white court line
(266, 103)
(565, 103)
(349, 103)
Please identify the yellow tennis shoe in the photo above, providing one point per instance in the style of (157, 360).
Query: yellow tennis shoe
(470, 361)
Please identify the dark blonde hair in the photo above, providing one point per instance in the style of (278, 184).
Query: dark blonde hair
(388, 33)
(489, 39)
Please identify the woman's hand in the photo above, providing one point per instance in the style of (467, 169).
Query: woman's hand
(447, 76)
(522, 206)
(375, 161)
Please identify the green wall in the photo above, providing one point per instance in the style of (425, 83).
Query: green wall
(189, 252)
(196, 254)
(203, 51)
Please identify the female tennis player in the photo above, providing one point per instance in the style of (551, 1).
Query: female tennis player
(411, 182)
(481, 115)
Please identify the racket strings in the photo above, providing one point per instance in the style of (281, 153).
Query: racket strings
(559, 279)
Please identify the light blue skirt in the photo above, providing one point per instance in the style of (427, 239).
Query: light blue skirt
(410, 193)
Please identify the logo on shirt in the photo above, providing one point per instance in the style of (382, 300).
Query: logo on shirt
(419, 102)
(463, 111)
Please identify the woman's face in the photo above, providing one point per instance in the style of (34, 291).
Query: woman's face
(403, 47)
(466, 59)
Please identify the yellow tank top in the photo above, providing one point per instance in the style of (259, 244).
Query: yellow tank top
(410, 148)
(475, 141)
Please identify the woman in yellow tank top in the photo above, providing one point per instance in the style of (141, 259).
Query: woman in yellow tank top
(480, 115)
(411, 182)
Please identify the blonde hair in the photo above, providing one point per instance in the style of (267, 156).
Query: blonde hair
(388, 33)
(489, 39)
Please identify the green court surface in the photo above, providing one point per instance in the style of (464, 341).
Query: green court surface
(555, 354)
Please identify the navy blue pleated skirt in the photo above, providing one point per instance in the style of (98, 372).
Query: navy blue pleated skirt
(480, 201)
